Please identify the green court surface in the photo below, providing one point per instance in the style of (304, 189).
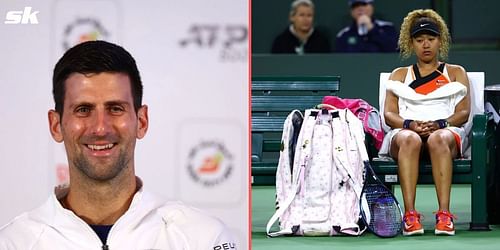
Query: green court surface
(263, 209)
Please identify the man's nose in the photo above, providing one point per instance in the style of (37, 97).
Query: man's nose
(101, 123)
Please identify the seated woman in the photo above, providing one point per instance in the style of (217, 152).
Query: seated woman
(426, 106)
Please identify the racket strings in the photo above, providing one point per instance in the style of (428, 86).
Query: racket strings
(385, 216)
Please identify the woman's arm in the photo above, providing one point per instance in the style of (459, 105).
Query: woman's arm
(462, 109)
(391, 107)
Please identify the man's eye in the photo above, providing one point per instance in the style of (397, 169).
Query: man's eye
(116, 109)
(83, 110)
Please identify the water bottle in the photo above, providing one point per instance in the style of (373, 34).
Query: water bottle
(381, 214)
(362, 29)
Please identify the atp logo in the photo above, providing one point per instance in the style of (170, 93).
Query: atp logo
(25, 16)
(230, 40)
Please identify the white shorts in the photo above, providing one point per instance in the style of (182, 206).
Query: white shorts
(459, 133)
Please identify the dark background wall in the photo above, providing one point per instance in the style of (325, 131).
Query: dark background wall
(475, 21)
(474, 27)
(472, 24)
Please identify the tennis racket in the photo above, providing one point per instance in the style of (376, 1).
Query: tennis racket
(380, 210)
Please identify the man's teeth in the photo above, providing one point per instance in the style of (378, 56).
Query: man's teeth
(100, 147)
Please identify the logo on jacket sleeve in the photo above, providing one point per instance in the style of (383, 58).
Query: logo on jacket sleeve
(352, 40)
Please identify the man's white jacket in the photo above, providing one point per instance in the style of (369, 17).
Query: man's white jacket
(149, 224)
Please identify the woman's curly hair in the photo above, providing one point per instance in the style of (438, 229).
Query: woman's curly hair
(405, 39)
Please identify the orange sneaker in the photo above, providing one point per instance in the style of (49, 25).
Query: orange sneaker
(412, 225)
(444, 223)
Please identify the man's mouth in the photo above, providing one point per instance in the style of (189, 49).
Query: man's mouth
(100, 147)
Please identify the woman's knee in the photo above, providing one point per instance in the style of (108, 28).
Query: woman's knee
(408, 140)
(441, 141)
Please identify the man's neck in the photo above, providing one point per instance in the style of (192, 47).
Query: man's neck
(100, 203)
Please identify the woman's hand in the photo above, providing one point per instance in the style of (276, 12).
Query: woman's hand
(423, 128)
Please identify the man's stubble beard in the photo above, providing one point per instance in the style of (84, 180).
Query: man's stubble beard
(85, 166)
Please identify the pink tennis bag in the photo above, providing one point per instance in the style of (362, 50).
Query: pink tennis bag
(368, 115)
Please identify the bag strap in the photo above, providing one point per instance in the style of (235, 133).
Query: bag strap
(344, 118)
(351, 229)
(350, 119)
(297, 176)
(327, 106)
(280, 212)
(360, 144)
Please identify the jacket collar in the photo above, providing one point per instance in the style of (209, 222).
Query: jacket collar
(53, 214)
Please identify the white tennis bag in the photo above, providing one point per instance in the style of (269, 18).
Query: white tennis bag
(313, 193)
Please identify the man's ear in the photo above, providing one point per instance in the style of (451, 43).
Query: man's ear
(143, 121)
(55, 125)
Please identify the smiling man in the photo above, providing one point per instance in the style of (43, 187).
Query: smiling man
(98, 116)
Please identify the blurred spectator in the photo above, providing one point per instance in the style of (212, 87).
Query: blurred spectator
(301, 37)
(366, 34)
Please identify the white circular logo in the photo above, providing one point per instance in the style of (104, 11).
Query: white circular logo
(82, 30)
(210, 163)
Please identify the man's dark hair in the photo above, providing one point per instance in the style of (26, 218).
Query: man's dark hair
(95, 57)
